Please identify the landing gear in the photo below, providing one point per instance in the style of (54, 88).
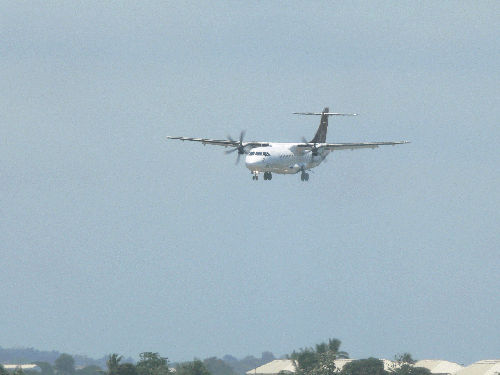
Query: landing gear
(304, 176)
(268, 176)
(255, 176)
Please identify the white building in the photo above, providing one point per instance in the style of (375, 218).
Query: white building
(29, 367)
(274, 367)
(287, 365)
(488, 367)
(440, 367)
(340, 363)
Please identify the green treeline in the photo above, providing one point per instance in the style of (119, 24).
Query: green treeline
(319, 360)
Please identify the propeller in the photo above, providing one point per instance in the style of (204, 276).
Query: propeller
(240, 148)
(314, 148)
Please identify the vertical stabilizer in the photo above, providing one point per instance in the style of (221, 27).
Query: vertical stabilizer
(320, 136)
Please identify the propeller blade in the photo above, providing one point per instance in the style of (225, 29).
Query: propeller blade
(238, 146)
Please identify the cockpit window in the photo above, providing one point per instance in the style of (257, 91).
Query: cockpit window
(266, 153)
(258, 153)
(252, 153)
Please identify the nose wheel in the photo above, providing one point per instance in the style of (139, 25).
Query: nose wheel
(304, 176)
(255, 176)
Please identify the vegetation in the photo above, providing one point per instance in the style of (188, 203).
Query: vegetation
(369, 366)
(317, 360)
(113, 362)
(152, 364)
(127, 369)
(217, 366)
(30, 355)
(192, 368)
(404, 365)
(89, 370)
(241, 366)
(46, 368)
(65, 365)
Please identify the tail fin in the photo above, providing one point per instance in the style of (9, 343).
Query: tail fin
(320, 136)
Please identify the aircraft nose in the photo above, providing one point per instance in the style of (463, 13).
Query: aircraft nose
(249, 161)
(253, 161)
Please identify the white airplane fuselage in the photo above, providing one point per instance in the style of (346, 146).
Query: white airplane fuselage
(283, 158)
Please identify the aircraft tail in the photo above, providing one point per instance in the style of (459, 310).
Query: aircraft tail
(320, 136)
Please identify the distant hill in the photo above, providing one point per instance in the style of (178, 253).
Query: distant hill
(241, 366)
(228, 365)
(29, 355)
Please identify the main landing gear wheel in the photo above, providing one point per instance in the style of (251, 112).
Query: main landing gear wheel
(268, 176)
(304, 176)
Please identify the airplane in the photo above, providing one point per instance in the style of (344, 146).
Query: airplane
(288, 158)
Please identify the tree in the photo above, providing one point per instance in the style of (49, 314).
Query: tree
(267, 357)
(404, 358)
(241, 366)
(65, 365)
(370, 366)
(305, 360)
(192, 368)
(217, 366)
(45, 367)
(152, 364)
(334, 346)
(325, 365)
(3, 371)
(407, 369)
(127, 369)
(89, 370)
(404, 365)
(318, 361)
(112, 363)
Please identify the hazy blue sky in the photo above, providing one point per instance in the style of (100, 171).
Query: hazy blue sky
(113, 239)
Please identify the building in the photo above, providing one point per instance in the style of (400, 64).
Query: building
(488, 367)
(29, 367)
(274, 367)
(439, 367)
(287, 365)
(340, 363)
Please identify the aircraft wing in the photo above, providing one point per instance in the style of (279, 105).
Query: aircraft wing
(347, 146)
(222, 142)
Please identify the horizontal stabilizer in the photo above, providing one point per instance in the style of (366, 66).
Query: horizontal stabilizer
(324, 113)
